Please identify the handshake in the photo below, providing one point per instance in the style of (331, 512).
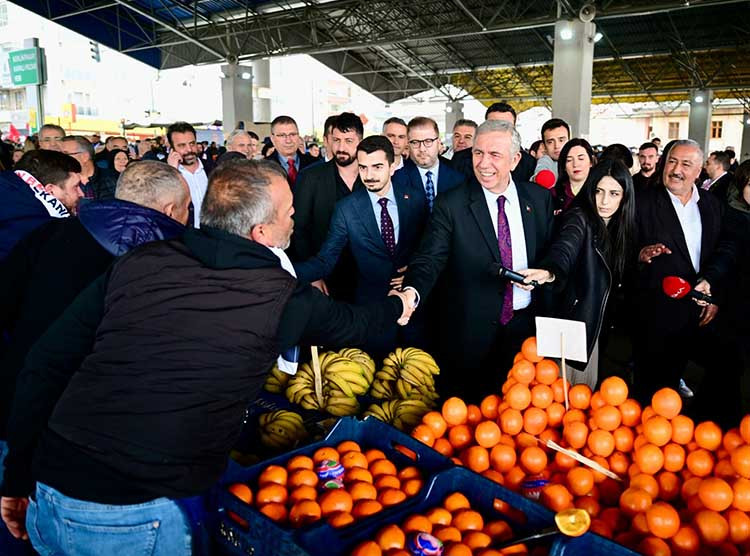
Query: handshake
(409, 301)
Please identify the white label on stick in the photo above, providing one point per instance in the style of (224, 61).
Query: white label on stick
(551, 333)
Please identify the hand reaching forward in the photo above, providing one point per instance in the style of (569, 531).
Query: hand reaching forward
(408, 299)
(13, 511)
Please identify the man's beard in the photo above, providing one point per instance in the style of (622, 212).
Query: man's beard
(346, 161)
(189, 158)
(368, 183)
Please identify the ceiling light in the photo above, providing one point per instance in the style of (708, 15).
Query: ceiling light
(566, 34)
(698, 98)
(598, 37)
(246, 75)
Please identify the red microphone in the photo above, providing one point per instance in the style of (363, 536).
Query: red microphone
(677, 288)
(545, 178)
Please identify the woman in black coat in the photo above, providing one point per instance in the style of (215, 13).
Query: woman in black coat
(590, 253)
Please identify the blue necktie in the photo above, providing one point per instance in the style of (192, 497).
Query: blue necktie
(430, 190)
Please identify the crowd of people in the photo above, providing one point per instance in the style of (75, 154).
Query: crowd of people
(145, 300)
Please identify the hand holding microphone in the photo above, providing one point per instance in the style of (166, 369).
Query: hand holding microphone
(677, 288)
(526, 279)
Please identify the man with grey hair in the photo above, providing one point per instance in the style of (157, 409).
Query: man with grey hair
(51, 137)
(186, 332)
(239, 146)
(680, 234)
(96, 183)
(475, 230)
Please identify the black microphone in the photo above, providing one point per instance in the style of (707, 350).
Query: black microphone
(497, 269)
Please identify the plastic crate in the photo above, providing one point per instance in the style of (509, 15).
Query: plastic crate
(524, 515)
(589, 544)
(264, 537)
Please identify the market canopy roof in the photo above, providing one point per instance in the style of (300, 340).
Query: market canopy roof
(650, 50)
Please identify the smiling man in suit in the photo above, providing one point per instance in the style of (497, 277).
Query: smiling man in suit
(425, 171)
(381, 223)
(482, 319)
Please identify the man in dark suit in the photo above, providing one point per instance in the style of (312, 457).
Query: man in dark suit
(462, 160)
(679, 234)
(426, 171)
(285, 139)
(482, 319)
(318, 190)
(648, 157)
(382, 224)
(719, 179)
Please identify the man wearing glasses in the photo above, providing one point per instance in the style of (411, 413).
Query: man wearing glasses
(285, 139)
(96, 183)
(427, 173)
(51, 137)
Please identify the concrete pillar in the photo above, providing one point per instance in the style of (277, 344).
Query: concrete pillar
(236, 96)
(699, 124)
(262, 90)
(454, 111)
(572, 74)
(744, 152)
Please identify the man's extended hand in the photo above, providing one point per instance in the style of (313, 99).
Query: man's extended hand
(408, 299)
(321, 285)
(709, 311)
(651, 251)
(534, 275)
(13, 512)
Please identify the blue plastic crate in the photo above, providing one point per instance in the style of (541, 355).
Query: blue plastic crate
(525, 515)
(589, 544)
(264, 537)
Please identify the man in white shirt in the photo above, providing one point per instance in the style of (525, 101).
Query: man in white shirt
(183, 155)
(395, 130)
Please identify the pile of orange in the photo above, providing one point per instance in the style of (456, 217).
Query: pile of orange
(462, 530)
(290, 494)
(684, 488)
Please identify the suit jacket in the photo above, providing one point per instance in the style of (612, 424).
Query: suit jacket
(354, 223)
(462, 162)
(305, 160)
(720, 187)
(409, 176)
(460, 245)
(658, 223)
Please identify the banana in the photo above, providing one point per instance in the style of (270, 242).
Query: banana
(341, 383)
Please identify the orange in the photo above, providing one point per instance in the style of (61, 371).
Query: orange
(649, 458)
(619, 463)
(597, 401)
(335, 500)
(685, 542)
(559, 390)
(447, 534)
(576, 434)
(511, 421)
(667, 403)
(412, 486)
(424, 434)
(647, 413)
(340, 519)
(663, 520)
(634, 501)
(493, 475)
(528, 349)
(556, 497)
(657, 430)
(623, 439)
(614, 390)
(304, 513)
(387, 481)
(302, 477)
(601, 528)
(473, 415)
(273, 474)
(601, 442)
(382, 467)
(732, 440)
(356, 474)
(439, 516)
(555, 412)
(417, 524)
(362, 491)
(580, 481)
(573, 416)
(579, 396)
(669, 485)
(708, 435)
(271, 493)
(487, 434)
(547, 372)
(542, 396)
(712, 528)
(374, 454)
(639, 524)
(454, 411)
(647, 483)
(518, 397)
(456, 501)
(682, 429)
(652, 546)
(745, 428)
(274, 511)
(564, 461)
(502, 458)
(390, 536)
(303, 493)
(391, 496)
(367, 548)
(631, 413)
(740, 459)
(354, 458)
(457, 549)
(300, 462)
(443, 446)
(434, 420)
(700, 462)
(364, 508)
(477, 459)
(533, 459)
(523, 371)
(460, 436)
(468, 520)
(741, 494)
(534, 420)
(326, 453)
(409, 472)
(476, 540)
(716, 494)
(607, 417)
(674, 457)
(739, 526)
(348, 446)
(241, 491)
(499, 530)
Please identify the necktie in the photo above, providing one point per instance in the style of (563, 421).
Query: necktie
(292, 171)
(430, 190)
(506, 258)
(386, 227)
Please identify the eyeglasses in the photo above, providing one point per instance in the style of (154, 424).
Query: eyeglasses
(416, 143)
(286, 136)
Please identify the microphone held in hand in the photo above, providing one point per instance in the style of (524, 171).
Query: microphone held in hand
(545, 178)
(677, 288)
(496, 269)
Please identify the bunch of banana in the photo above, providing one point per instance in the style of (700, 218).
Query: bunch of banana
(277, 381)
(281, 429)
(407, 374)
(402, 414)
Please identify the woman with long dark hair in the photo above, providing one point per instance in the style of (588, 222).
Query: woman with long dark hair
(573, 167)
(590, 255)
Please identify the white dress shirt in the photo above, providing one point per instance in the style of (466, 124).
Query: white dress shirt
(521, 298)
(197, 183)
(423, 175)
(692, 227)
(400, 164)
(391, 207)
